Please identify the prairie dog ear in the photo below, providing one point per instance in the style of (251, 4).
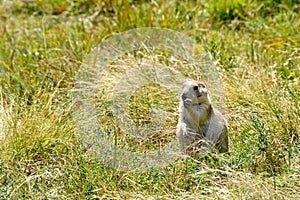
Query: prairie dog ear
(187, 103)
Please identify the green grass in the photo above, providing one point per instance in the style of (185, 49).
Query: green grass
(254, 44)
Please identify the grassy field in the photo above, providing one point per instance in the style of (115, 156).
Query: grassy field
(255, 46)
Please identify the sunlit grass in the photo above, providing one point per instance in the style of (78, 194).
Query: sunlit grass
(254, 47)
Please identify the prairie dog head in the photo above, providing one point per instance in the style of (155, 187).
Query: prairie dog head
(194, 93)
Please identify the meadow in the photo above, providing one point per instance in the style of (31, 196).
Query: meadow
(254, 46)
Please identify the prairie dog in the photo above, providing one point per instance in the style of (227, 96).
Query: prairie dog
(201, 127)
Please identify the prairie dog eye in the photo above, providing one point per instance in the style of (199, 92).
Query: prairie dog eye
(195, 88)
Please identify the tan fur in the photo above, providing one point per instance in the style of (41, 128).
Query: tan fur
(201, 127)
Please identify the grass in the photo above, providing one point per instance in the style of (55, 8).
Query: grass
(255, 46)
